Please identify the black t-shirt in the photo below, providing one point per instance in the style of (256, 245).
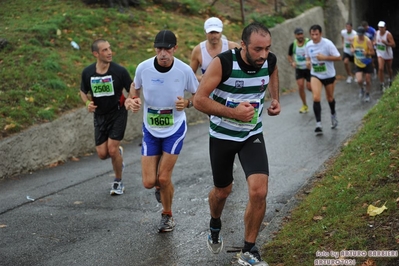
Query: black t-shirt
(291, 49)
(226, 59)
(106, 98)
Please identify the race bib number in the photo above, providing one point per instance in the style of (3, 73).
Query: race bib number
(359, 53)
(159, 118)
(347, 45)
(232, 103)
(381, 47)
(102, 86)
(300, 61)
(319, 68)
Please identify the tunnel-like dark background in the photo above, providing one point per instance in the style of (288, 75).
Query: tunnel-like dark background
(374, 11)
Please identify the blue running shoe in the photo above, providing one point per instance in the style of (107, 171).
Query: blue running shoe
(251, 258)
(117, 188)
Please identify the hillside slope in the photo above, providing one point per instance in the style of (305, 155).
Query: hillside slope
(41, 70)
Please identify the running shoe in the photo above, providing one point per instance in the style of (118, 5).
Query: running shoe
(318, 131)
(304, 109)
(121, 153)
(158, 194)
(214, 241)
(389, 83)
(117, 188)
(251, 257)
(361, 93)
(167, 223)
(334, 121)
(367, 98)
(349, 79)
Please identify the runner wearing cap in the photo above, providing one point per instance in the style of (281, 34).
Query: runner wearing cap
(204, 52)
(347, 36)
(296, 58)
(384, 43)
(164, 79)
(370, 33)
(363, 50)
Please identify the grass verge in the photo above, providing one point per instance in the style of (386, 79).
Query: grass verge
(333, 217)
(41, 71)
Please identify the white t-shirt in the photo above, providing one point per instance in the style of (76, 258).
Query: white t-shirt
(160, 91)
(321, 69)
(348, 38)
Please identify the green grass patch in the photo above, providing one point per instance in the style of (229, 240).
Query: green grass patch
(41, 71)
(333, 217)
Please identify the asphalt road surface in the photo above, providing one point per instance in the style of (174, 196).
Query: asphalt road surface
(65, 215)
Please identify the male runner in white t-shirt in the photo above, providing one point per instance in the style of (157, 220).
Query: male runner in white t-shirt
(163, 80)
(320, 56)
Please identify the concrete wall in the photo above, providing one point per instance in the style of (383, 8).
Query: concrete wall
(72, 134)
(283, 36)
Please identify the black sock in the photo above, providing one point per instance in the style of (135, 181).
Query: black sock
(332, 106)
(317, 111)
(117, 179)
(247, 246)
(215, 223)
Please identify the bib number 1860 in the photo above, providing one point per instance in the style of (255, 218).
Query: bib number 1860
(159, 121)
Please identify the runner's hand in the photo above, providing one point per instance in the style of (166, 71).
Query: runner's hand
(274, 108)
(180, 103)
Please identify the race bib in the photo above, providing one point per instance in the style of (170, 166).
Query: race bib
(232, 103)
(159, 118)
(359, 53)
(319, 67)
(381, 47)
(300, 61)
(102, 86)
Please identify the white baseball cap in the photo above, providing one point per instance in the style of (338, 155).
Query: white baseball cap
(213, 24)
(381, 24)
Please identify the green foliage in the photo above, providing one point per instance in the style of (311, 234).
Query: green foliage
(46, 114)
(334, 215)
(41, 70)
(269, 21)
(56, 84)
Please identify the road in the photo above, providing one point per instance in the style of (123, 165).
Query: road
(65, 215)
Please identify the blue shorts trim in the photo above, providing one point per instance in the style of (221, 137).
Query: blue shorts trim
(173, 144)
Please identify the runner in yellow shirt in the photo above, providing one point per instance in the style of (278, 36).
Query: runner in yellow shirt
(363, 51)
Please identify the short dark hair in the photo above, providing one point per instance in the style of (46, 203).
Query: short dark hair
(364, 23)
(315, 27)
(94, 46)
(253, 27)
(349, 23)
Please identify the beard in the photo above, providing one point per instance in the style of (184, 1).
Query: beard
(253, 62)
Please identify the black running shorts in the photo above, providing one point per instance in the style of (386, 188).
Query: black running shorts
(110, 126)
(251, 152)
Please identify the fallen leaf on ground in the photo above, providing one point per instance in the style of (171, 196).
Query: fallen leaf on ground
(317, 218)
(373, 211)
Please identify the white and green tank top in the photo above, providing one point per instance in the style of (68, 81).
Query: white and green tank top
(240, 87)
